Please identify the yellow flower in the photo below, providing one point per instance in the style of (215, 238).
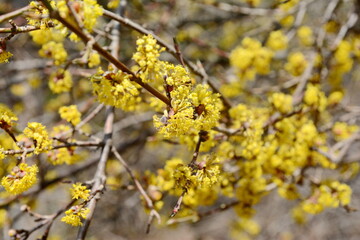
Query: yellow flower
(74, 215)
(113, 4)
(60, 81)
(39, 11)
(94, 59)
(147, 57)
(70, 114)
(37, 132)
(7, 117)
(315, 98)
(116, 89)
(2, 155)
(305, 35)
(91, 10)
(20, 179)
(64, 155)
(79, 191)
(207, 107)
(281, 102)
(296, 64)
(342, 130)
(208, 172)
(251, 58)
(55, 51)
(4, 56)
(277, 41)
(287, 21)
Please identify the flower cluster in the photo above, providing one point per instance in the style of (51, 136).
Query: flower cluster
(74, 215)
(281, 102)
(20, 179)
(315, 98)
(41, 14)
(55, 51)
(116, 89)
(64, 156)
(70, 114)
(296, 64)
(7, 117)
(147, 57)
(342, 130)
(305, 35)
(330, 194)
(192, 108)
(198, 181)
(277, 41)
(60, 81)
(37, 132)
(251, 58)
(4, 56)
(341, 63)
(79, 191)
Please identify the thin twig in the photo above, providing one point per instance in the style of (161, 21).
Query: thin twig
(141, 190)
(66, 145)
(15, 13)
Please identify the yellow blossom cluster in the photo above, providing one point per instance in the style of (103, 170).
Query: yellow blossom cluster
(2, 155)
(90, 12)
(198, 182)
(116, 89)
(94, 59)
(192, 108)
(39, 136)
(79, 191)
(277, 41)
(147, 57)
(251, 58)
(4, 56)
(42, 19)
(20, 179)
(70, 114)
(7, 117)
(342, 130)
(296, 64)
(113, 4)
(60, 81)
(281, 102)
(330, 194)
(74, 215)
(315, 98)
(64, 155)
(55, 51)
(342, 63)
(305, 35)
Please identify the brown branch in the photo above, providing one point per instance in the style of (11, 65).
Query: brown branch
(99, 178)
(221, 208)
(177, 205)
(66, 145)
(22, 29)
